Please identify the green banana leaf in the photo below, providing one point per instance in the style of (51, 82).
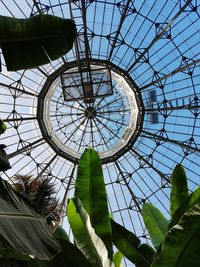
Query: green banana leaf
(90, 189)
(181, 246)
(117, 258)
(3, 127)
(61, 234)
(86, 239)
(148, 251)
(156, 224)
(189, 202)
(23, 231)
(12, 263)
(179, 188)
(141, 255)
(70, 255)
(28, 43)
(4, 161)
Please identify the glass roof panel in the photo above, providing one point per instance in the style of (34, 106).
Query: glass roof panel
(156, 45)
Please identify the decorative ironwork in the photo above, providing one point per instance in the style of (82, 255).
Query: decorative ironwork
(190, 63)
(163, 75)
(39, 8)
(71, 122)
(192, 7)
(78, 86)
(144, 58)
(160, 31)
(126, 10)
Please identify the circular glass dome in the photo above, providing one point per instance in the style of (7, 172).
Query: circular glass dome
(150, 123)
(107, 122)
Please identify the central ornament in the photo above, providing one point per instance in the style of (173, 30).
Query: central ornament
(90, 112)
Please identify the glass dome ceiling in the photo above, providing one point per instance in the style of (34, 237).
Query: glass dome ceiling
(108, 122)
(151, 50)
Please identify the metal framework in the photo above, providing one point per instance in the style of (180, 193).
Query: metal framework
(109, 124)
(155, 48)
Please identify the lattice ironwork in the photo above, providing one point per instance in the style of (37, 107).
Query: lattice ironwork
(108, 123)
(192, 6)
(161, 32)
(155, 49)
(87, 85)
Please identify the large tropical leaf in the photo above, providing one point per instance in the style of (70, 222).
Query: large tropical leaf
(181, 246)
(70, 256)
(141, 255)
(189, 202)
(31, 42)
(23, 231)
(12, 263)
(179, 188)
(90, 189)
(3, 127)
(86, 239)
(117, 258)
(156, 224)
(61, 234)
(4, 162)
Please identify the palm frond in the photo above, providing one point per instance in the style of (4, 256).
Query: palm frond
(40, 193)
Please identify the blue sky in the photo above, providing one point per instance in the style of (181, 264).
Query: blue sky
(173, 139)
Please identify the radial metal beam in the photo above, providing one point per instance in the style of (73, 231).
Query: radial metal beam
(123, 16)
(87, 46)
(166, 139)
(82, 47)
(16, 89)
(180, 69)
(63, 203)
(36, 5)
(20, 119)
(47, 166)
(161, 174)
(43, 72)
(159, 35)
(128, 187)
(23, 149)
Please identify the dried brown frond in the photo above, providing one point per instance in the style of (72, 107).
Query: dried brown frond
(41, 194)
